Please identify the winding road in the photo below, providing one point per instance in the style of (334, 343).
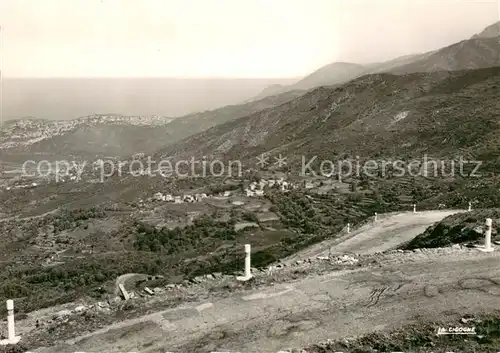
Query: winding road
(425, 286)
(386, 233)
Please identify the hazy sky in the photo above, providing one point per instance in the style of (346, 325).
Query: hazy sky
(224, 38)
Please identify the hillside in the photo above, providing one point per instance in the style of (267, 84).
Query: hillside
(345, 210)
(125, 136)
(269, 91)
(331, 74)
(339, 73)
(481, 51)
(114, 135)
(490, 31)
(28, 131)
(85, 137)
(382, 115)
(469, 54)
(389, 65)
(70, 242)
(198, 122)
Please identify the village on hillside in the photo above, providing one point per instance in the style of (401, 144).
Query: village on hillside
(250, 189)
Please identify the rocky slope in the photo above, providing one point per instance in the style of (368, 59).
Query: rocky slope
(382, 115)
(198, 122)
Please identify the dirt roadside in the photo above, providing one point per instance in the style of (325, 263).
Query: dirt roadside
(312, 309)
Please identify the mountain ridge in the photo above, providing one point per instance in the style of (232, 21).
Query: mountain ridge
(382, 114)
(482, 50)
(490, 31)
(147, 136)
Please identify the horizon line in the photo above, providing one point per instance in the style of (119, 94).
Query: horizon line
(161, 77)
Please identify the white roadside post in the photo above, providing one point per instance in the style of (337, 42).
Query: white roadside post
(348, 227)
(11, 329)
(414, 208)
(248, 272)
(487, 235)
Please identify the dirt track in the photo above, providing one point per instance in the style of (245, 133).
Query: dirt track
(313, 309)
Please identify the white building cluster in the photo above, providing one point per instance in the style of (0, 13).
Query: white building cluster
(179, 199)
(256, 189)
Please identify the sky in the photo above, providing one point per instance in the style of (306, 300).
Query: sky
(224, 38)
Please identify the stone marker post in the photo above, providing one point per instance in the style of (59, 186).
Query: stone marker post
(248, 271)
(487, 235)
(11, 329)
(248, 250)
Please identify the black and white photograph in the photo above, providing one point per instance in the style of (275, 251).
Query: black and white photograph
(249, 176)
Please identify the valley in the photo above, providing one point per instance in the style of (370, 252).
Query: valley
(363, 191)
